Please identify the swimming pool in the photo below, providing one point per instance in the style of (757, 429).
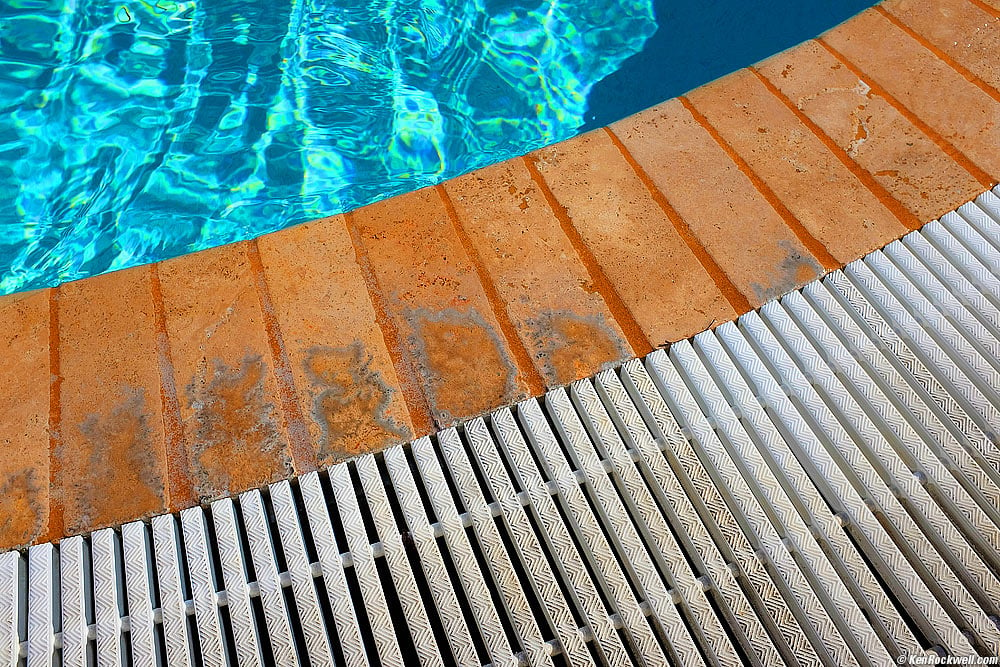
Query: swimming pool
(139, 130)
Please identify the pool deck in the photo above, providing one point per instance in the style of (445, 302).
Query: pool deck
(155, 388)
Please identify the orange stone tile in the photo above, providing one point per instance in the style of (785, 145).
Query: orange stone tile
(903, 159)
(462, 359)
(233, 425)
(729, 216)
(24, 417)
(965, 32)
(830, 202)
(652, 270)
(111, 454)
(560, 318)
(960, 112)
(344, 376)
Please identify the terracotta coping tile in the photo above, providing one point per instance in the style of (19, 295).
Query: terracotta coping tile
(652, 270)
(911, 167)
(24, 417)
(558, 312)
(829, 201)
(111, 452)
(730, 217)
(344, 376)
(234, 433)
(460, 353)
(938, 95)
(965, 32)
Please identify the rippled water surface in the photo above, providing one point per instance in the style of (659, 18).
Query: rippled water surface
(139, 130)
(131, 132)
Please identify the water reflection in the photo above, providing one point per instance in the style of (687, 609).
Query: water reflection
(136, 131)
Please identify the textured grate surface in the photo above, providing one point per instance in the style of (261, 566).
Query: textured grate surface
(816, 483)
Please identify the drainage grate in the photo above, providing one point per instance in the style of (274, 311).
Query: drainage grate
(816, 483)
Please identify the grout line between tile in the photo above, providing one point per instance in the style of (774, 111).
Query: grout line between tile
(180, 486)
(531, 374)
(299, 443)
(634, 334)
(812, 244)
(941, 55)
(954, 153)
(409, 384)
(906, 217)
(56, 514)
(736, 299)
(986, 8)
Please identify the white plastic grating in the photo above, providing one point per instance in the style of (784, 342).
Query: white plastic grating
(816, 483)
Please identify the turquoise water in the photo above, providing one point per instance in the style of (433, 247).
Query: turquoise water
(140, 130)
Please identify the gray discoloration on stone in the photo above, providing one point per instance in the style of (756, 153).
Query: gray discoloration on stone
(22, 513)
(463, 362)
(123, 477)
(237, 442)
(567, 346)
(794, 271)
(350, 401)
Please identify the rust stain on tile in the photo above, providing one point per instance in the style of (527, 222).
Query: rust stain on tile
(238, 444)
(463, 363)
(613, 216)
(571, 346)
(123, 479)
(21, 503)
(350, 402)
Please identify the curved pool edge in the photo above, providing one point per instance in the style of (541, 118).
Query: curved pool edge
(152, 388)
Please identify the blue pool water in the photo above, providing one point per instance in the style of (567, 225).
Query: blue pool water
(137, 130)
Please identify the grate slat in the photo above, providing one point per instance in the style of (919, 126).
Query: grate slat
(816, 483)
(203, 588)
(683, 517)
(363, 559)
(655, 533)
(829, 446)
(136, 560)
(983, 214)
(237, 589)
(300, 574)
(486, 531)
(269, 583)
(42, 575)
(75, 627)
(12, 608)
(544, 581)
(391, 541)
(173, 609)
